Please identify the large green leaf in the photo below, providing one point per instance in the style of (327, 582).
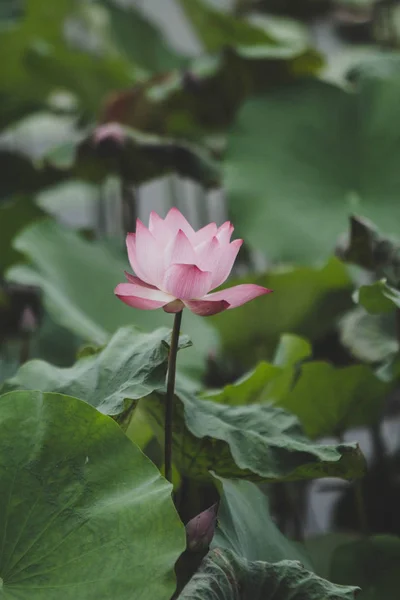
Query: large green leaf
(242, 508)
(306, 301)
(340, 149)
(84, 514)
(130, 367)
(372, 563)
(259, 442)
(225, 576)
(78, 280)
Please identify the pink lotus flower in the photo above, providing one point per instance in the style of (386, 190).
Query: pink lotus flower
(176, 266)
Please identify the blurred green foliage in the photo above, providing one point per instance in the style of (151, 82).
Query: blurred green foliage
(303, 138)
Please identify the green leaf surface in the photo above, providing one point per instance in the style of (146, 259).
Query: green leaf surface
(78, 279)
(83, 513)
(242, 509)
(372, 563)
(378, 297)
(259, 442)
(139, 430)
(321, 548)
(267, 382)
(131, 366)
(329, 400)
(340, 149)
(251, 388)
(225, 576)
(291, 350)
(306, 301)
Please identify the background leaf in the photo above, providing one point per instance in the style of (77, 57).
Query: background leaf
(372, 251)
(307, 301)
(340, 151)
(378, 297)
(267, 382)
(372, 563)
(370, 338)
(139, 39)
(242, 508)
(217, 29)
(321, 548)
(328, 400)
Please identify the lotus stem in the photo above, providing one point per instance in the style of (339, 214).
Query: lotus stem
(169, 405)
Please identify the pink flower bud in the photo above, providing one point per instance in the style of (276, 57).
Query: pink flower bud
(28, 322)
(200, 530)
(110, 132)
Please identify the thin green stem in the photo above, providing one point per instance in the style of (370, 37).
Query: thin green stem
(169, 400)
